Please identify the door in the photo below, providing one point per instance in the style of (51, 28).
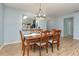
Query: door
(68, 27)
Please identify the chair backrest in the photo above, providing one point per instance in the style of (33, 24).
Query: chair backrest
(57, 33)
(22, 38)
(44, 36)
(54, 33)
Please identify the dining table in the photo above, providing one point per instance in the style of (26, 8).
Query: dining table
(33, 37)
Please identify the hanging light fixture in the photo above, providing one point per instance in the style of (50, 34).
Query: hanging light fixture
(40, 13)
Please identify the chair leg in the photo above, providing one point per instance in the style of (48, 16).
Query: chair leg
(34, 47)
(40, 49)
(22, 48)
(58, 45)
(52, 46)
(31, 46)
(47, 47)
(58, 42)
(23, 51)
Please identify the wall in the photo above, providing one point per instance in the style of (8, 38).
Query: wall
(56, 22)
(76, 26)
(59, 23)
(12, 24)
(1, 24)
(52, 23)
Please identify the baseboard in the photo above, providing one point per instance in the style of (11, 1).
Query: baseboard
(9, 44)
(1, 47)
(76, 38)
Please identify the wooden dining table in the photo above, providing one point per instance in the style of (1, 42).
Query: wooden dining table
(33, 37)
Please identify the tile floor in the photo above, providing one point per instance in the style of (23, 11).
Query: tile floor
(68, 47)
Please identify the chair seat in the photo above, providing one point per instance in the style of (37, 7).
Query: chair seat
(26, 43)
(50, 41)
(41, 44)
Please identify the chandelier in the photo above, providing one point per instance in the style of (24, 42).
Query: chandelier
(40, 13)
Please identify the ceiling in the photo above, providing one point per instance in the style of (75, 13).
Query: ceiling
(50, 9)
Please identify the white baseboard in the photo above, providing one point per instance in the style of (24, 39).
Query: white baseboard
(8, 44)
(76, 38)
(12, 42)
(1, 47)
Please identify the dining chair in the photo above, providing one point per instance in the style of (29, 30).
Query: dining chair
(43, 41)
(58, 38)
(55, 38)
(52, 37)
(24, 44)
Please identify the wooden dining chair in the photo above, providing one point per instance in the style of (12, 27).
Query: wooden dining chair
(55, 38)
(58, 38)
(23, 44)
(52, 37)
(43, 41)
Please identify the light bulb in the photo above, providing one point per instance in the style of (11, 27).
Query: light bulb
(39, 15)
(44, 15)
(24, 17)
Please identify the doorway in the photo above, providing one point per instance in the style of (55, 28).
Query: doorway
(68, 27)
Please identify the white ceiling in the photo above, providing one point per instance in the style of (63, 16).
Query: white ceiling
(50, 9)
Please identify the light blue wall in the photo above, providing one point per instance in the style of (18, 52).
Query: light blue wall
(1, 24)
(52, 23)
(75, 16)
(11, 22)
(60, 22)
(76, 25)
